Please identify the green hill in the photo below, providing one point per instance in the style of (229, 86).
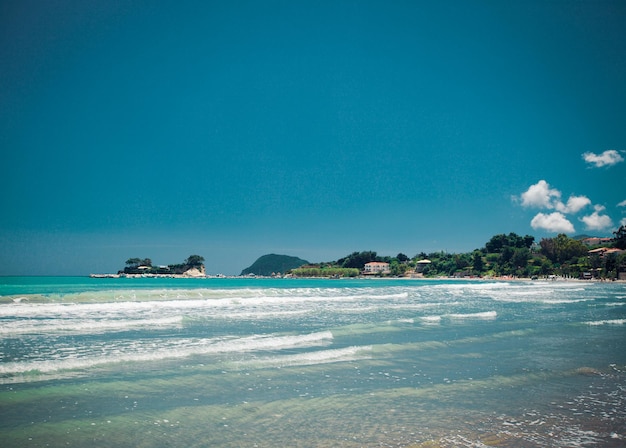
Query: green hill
(273, 264)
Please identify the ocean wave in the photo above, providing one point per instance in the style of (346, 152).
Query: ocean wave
(24, 317)
(157, 350)
(421, 306)
(431, 319)
(215, 295)
(88, 326)
(539, 299)
(542, 295)
(255, 315)
(130, 308)
(311, 358)
(487, 315)
(607, 322)
(472, 285)
(548, 293)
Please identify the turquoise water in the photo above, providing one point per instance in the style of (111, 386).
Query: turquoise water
(311, 363)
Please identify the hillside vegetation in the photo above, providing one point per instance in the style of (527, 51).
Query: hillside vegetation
(273, 264)
(503, 255)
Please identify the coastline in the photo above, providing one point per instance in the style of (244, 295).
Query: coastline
(199, 275)
(185, 276)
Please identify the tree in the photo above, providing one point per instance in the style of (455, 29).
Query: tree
(462, 261)
(546, 267)
(402, 257)
(520, 258)
(496, 243)
(528, 241)
(499, 242)
(507, 254)
(548, 249)
(132, 265)
(477, 262)
(397, 269)
(133, 262)
(357, 259)
(562, 248)
(620, 263)
(611, 265)
(620, 237)
(194, 261)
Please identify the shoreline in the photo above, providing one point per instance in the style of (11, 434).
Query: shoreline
(374, 278)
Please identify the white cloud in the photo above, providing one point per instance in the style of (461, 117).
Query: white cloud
(554, 222)
(622, 204)
(540, 195)
(596, 221)
(609, 157)
(574, 204)
(622, 222)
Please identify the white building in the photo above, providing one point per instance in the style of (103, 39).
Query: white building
(376, 267)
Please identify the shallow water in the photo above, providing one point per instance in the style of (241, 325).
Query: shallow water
(311, 363)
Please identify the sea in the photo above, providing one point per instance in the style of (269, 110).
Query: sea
(243, 362)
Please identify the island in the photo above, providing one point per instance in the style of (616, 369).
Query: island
(192, 267)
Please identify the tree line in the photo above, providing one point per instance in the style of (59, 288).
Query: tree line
(503, 255)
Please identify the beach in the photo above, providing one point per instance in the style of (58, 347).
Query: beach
(311, 363)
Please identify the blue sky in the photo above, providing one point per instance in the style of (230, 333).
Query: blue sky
(315, 129)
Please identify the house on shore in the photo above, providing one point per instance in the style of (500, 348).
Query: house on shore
(421, 265)
(595, 241)
(376, 267)
(603, 251)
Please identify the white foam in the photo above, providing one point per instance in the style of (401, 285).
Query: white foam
(312, 358)
(87, 326)
(132, 302)
(607, 322)
(487, 315)
(420, 306)
(161, 349)
(536, 297)
(473, 285)
(259, 315)
(550, 293)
